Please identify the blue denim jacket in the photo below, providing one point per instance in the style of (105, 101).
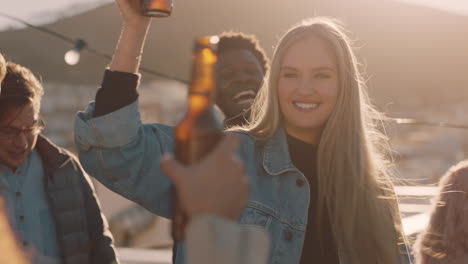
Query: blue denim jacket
(123, 154)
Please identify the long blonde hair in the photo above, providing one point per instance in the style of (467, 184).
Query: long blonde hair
(352, 172)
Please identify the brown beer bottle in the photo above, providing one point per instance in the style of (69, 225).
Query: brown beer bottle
(199, 130)
(156, 8)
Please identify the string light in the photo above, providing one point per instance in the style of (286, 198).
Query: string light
(88, 48)
(72, 57)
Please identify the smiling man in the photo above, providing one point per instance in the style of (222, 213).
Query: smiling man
(49, 199)
(241, 66)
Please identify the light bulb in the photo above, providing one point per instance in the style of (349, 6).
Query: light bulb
(214, 40)
(72, 57)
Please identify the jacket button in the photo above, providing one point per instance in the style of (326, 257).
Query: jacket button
(288, 235)
(21, 217)
(18, 194)
(300, 182)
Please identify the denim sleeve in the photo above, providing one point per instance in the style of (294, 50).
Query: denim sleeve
(124, 155)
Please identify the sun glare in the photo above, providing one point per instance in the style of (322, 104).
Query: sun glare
(452, 6)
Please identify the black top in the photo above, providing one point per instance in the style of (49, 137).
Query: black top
(319, 246)
(118, 89)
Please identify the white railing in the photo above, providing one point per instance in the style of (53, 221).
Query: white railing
(416, 191)
(414, 224)
(144, 256)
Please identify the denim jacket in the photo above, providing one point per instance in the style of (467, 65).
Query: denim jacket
(123, 154)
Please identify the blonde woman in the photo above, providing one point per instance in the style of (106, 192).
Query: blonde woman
(315, 102)
(318, 183)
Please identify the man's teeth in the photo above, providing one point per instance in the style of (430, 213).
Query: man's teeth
(306, 106)
(244, 93)
(246, 101)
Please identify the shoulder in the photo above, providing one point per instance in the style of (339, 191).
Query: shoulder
(248, 141)
(53, 156)
(76, 176)
(159, 128)
(250, 148)
(245, 136)
(69, 166)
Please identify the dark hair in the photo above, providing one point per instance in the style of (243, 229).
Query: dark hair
(19, 87)
(238, 40)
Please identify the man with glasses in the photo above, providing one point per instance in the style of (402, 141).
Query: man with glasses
(7, 241)
(49, 199)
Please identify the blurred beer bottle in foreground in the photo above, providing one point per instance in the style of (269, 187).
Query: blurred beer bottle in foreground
(10, 251)
(157, 8)
(199, 130)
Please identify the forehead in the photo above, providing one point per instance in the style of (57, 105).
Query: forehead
(237, 57)
(312, 52)
(22, 116)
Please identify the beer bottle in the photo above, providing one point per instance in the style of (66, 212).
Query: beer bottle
(199, 130)
(156, 8)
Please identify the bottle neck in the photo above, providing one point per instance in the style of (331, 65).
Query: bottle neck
(209, 96)
(199, 102)
(203, 71)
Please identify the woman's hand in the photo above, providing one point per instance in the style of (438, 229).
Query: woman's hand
(130, 11)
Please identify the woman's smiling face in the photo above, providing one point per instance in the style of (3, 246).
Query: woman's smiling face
(308, 87)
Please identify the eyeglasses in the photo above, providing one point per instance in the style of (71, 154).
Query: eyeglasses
(11, 132)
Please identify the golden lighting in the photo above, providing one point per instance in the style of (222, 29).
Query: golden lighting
(11, 253)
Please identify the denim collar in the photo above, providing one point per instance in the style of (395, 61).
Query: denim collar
(276, 158)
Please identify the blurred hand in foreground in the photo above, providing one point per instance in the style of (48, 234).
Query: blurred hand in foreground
(217, 185)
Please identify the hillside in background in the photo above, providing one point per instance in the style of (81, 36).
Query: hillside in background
(412, 55)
